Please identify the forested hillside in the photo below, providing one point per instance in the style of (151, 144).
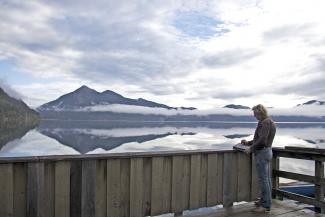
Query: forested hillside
(15, 112)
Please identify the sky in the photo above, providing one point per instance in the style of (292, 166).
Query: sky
(200, 53)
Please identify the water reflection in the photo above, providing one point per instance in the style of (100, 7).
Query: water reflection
(10, 134)
(86, 140)
(80, 137)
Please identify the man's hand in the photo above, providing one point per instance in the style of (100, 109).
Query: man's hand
(248, 150)
(244, 142)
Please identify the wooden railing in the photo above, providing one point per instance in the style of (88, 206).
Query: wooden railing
(317, 155)
(128, 184)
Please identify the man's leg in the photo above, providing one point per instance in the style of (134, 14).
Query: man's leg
(263, 172)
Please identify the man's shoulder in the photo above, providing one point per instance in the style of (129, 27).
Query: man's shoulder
(268, 120)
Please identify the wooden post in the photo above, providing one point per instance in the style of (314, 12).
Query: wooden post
(319, 187)
(6, 190)
(62, 189)
(88, 188)
(228, 185)
(35, 189)
(275, 179)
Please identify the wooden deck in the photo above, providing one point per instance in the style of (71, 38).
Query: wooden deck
(279, 209)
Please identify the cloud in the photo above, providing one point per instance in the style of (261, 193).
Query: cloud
(310, 110)
(9, 90)
(288, 32)
(229, 58)
(311, 88)
(170, 51)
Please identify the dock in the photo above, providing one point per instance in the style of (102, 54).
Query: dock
(279, 209)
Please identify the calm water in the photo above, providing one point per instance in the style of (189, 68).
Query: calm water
(62, 137)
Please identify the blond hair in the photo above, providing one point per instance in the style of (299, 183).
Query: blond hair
(261, 110)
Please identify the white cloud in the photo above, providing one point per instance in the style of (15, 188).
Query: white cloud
(261, 52)
(9, 90)
(306, 110)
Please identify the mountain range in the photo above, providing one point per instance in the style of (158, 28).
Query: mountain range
(85, 97)
(233, 106)
(83, 104)
(312, 102)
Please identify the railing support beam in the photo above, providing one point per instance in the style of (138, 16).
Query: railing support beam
(275, 179)
(319, 187)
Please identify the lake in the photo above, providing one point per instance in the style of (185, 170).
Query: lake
(88, 137)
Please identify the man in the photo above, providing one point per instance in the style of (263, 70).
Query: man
(261, 146)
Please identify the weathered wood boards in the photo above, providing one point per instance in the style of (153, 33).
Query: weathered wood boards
(123, 186)
(318, 179)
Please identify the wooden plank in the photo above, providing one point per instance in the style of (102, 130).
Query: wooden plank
(167, 194)
(297, 176)
(228, 180)
(125, 188)
(136, 187)
(244, 177)
(300, 198)
(75, 188)
(32, 190)
(177, 185)
(35, 189)
(220, 178)
(212, 190)
(147, 175)
(6, 190)
(157, 185)
(49, 190)
(203, 180)
(234, 189)
(275, 178)
(101, 188)
(306, 149)
(186, 176)
(195, 182)
(62, 189)
(298, 155)
(279, 208)
(111, 155)
(255, 186)
(88, 188)
(319, 187)
(113, 187)
(20, 194)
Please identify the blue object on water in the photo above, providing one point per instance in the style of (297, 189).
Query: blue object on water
(307, 190)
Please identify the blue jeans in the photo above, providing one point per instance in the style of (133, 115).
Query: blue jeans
(263, 168)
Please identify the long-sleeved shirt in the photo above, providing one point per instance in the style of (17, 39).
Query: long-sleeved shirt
(264, 135)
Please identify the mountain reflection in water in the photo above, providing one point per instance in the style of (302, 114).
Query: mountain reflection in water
(83, 137)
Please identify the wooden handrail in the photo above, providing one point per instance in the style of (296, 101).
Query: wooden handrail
(110, 155)
(318, 155)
